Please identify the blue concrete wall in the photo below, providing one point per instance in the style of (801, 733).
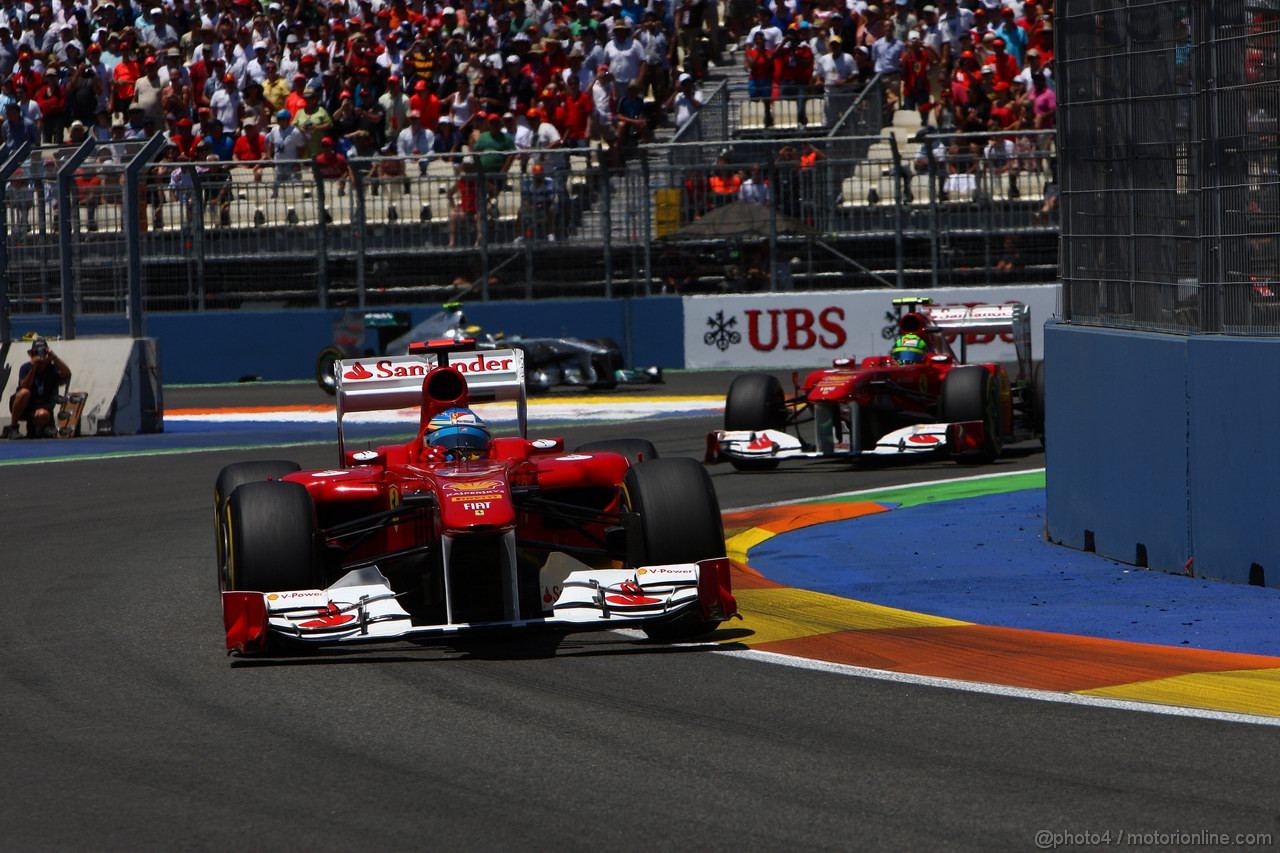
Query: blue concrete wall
(224, 346)
(1116, 447)
(1235, 469)
(1165, 441)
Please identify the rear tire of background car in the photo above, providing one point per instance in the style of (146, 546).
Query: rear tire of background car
(271, 538)
(635, 449)
(231, 478)
(755, 402)
(324, 369)
(1037, 401)
(679, 523)
(971, 393)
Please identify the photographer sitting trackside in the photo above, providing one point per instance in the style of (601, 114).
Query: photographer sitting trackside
(37, 393)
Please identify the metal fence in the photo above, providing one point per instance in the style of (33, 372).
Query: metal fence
(1171, 174)
(112, 229)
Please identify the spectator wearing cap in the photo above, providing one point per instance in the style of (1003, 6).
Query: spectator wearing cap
(836, 73)
(391, 60)
(917, 68)
(415, 143)
(495, 150)
(148, 91)
(286, 144)
(395, 108)
(183, 137)
(1006, 67)
(1015, 37)
(793, 65)
(604, 105)
(345, 118)
(427, 103)
(332, 165)
(125, 79)
(155, 31)
(225, 103)
(256, 68)
(313, 120)
(901, 18)
(251, 148)
(625, 56)
(685, 101)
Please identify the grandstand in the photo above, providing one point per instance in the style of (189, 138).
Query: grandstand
(887, 195)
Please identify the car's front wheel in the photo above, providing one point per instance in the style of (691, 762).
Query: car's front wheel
(231, 478)
(972, 393)
(679, 523)
(271, 538)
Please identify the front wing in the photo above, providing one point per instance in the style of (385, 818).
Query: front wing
(362, 607)
(955, 439)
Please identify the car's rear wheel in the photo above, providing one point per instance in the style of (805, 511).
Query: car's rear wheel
(635, 449)
(755, 402)
(324, 369)
(1037, 401)
(231, 478)
(271, 538)
(679, 523)
(971, 393)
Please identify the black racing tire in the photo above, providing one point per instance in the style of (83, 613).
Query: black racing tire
(679, 523)
(328, 357)
(755, 401)
(231, 478)
(971, 393)
(635, 449)
(1037, 401)
(271, 538)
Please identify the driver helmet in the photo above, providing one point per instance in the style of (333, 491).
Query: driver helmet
(460, 433)
(909, 349)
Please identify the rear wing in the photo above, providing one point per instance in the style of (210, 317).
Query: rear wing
(1013, 318)
(375, 384)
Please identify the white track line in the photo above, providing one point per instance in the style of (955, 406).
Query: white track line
(882, 489)
(999, 689)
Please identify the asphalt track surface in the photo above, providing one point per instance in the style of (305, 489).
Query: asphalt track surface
(126, 728)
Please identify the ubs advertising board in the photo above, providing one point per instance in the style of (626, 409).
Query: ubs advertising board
(809, 329)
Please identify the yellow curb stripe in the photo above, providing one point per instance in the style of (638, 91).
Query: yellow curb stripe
(787, 614)
(739, 544)
(1251, 691)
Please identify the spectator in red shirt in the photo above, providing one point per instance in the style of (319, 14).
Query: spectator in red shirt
(333, 166)
(125, 77)
(793, 69)
(184, 139)
(917, 65)
(53, 110)
(758, 61)
(25, 77)
(577, 115)
(296, 100)
(1006, 67)
(427, 104)
(251, 148)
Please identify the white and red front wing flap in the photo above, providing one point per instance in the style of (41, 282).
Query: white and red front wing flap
(917, 439)
(362, 607)
(759, 444)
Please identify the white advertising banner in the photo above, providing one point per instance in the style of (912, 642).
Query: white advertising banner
(810, 329)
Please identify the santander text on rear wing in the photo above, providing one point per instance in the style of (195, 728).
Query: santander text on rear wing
(1012, 319)
(380, 383)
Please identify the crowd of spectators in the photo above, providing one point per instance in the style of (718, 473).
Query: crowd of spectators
(393, 84)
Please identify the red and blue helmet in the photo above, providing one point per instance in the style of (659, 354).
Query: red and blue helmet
(460, 433)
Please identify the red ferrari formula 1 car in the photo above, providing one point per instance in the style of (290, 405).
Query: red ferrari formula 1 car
(457, 531)
(930, 403)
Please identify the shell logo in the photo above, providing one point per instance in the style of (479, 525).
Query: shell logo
(273, 597)
(642, 571)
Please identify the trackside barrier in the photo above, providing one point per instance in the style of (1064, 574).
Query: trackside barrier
(809, 329)
(1154, 460)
